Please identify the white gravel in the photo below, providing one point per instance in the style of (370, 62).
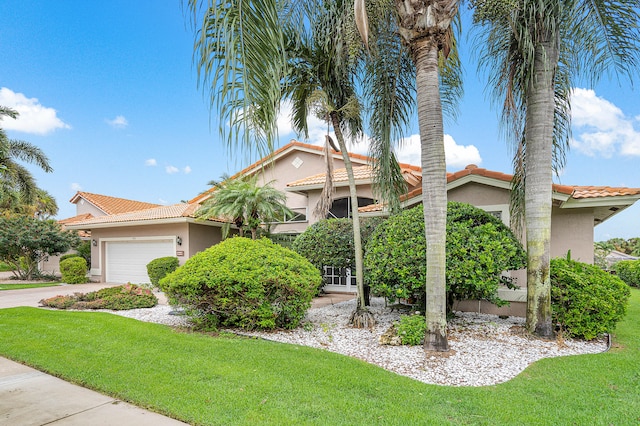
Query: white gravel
(485, 350)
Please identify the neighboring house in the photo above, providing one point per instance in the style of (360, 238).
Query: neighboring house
(616, 256)
(299, 170)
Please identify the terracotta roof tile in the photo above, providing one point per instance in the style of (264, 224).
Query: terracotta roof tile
(339, 175)
(162, 212)
(112, 205)
(74, 219)
(603, 191)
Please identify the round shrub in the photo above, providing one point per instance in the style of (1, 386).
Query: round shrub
(158, 268)
(74, 270)
(411, 329)
(479, 248)
(68, 256)
(585, 300)
(629, 272)
(252, 284)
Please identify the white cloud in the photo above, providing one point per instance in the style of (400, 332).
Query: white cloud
(151, 162)
(163, 202)
(600, 128)
(76, 187)
(120, 122)
(34, 118)
(171, 169)
(457, 156)
(187, 170)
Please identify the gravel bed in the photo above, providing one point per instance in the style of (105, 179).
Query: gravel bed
(484, 349)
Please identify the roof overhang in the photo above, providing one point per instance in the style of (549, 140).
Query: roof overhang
(167, 221)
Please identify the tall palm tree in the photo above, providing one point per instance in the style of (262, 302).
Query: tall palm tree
(321, 79)
(16, 180)
(246, 204)
(533, 49)
(426, 36)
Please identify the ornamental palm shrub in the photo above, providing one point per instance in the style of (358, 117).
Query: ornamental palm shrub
(251, 284)
(479, 249)
(160, 267)
(585, 300)
(74, 270)
(629, 272)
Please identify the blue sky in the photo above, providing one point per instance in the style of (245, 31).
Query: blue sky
(108, 91)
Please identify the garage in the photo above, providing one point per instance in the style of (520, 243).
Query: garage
(126, 261)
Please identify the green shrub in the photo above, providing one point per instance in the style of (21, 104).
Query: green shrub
(68, 256)
(479, 248)
(585, 300)
(74, 270)
(244, 283)
(411, 329)
(160, 267)
(629, 272)
(119, 298)
(84, 250)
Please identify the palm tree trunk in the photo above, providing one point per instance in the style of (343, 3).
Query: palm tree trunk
(434, 190)
(538, 188)
(357, 241)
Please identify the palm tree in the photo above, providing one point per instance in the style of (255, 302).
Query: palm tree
(321, 79)
(242, 202)
(426, 37)
(533, 49)
(17, 184)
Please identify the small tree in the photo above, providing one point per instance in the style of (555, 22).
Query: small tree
(25, 241)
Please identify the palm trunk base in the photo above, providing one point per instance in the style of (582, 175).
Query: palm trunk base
(362, 318)
(434, 341)
(545, 330)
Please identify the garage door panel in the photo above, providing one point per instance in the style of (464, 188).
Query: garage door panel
(126, 261)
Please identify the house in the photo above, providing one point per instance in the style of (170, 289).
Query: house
(617, 256)
(123, 243)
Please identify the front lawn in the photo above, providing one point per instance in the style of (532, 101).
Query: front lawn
(27, 285)
(224, 380)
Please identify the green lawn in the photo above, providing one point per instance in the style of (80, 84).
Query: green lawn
(27, 285)
(220, 380)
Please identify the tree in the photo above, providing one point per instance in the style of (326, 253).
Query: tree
(249, 206)
(17, 185)
(423, 31)
(533, 50)
(321, 79)
(26, 241)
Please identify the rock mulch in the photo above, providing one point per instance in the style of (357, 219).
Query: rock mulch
(484, 349)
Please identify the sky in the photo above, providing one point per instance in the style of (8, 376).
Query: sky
(109, 92)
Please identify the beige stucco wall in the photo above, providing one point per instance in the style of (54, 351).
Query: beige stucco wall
(572, 229)
(84, 207)
(195, 237)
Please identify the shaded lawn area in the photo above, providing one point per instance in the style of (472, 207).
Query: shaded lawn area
(26, 285)
(224, 380)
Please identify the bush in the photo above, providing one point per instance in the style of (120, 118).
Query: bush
(244, 283)
(119, 298)
(160, 267)
(68, 256)
(629, 272)
(479, 248)
(585, 300)
(411, 329)
(74, 270)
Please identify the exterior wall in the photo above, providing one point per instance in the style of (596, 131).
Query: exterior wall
(479, 195)
(131, 232)
(199, 238)
(84, 207)
(572, 229)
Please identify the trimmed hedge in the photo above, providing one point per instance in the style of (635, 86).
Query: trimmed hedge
(479, 248)
(74, 270)
(251, 284)
(158, 268)
(585, 300)
(629, 272)
(68, 256)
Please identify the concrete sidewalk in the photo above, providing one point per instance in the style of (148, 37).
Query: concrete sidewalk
(30, 397)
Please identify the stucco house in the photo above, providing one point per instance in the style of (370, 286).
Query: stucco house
(123, 243)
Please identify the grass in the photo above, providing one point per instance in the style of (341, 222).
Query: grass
(26, 285)
(202, 379)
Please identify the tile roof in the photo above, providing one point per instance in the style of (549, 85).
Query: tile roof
(293, 144)
(339, 175)
(156, 213)
(112, 205)
(74, 219)
(602, 191)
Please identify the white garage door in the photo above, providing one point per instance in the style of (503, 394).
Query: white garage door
(126, 261)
